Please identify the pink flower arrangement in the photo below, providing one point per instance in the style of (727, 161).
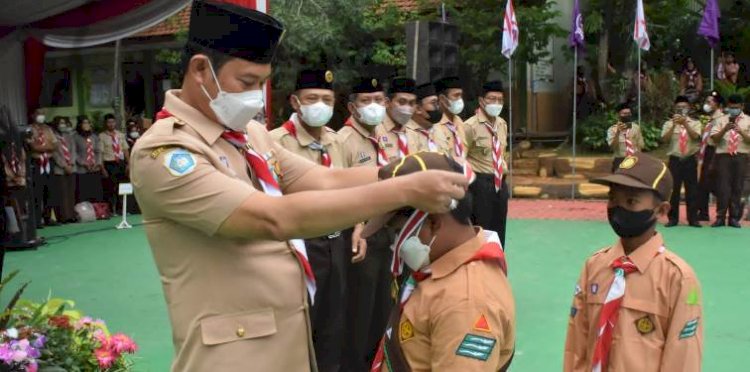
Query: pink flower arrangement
(112, 348)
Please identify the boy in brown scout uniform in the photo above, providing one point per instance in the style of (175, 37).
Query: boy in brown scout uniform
(637, 305)
(456, 310)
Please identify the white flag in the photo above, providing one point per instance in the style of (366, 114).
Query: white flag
(510, 31)
(640, 34)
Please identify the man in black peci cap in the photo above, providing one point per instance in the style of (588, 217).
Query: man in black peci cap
(486, 140)
(428, 115)
(451, 97)
(225, 208)
(306, 134)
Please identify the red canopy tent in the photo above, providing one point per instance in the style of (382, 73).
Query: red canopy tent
(27, 28)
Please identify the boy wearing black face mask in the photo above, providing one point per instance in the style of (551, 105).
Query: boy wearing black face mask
(637, 291)
(624, 137)
(427, 115)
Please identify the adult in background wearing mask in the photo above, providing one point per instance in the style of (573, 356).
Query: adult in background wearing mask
(486, 141)
(450, 95)
(713, 107)
(88, 163)
(307, 135)
(368, 281)
(637, 305)
(133, 132)
(732, 136)
(225, 207)
(683, 134)
(63, 182)
(115, 158)
(401, 137)
(624, 137)
(428, 115)
(456, 310)
(43, 143)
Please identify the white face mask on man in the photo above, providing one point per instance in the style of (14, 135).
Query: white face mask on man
(372, 114)
(316, 115)
(402, 114)
(234, 110)
(457, 106)
(493, 109)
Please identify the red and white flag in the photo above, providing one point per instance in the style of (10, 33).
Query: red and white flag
(510, 30)
(640, 34)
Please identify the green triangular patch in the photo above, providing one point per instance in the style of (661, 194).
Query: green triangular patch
(692, 297)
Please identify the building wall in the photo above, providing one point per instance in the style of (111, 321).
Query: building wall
(550, 101)
(91, 77)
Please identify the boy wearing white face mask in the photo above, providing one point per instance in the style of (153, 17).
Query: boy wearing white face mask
(486, 142)
(450, 95)
(456, 312)
(306, 134)
(401, 138)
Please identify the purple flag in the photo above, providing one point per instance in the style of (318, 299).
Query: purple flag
(709, 27)
(576, 28)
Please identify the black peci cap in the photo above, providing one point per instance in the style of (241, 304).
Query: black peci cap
(451, 82)
(314, 79)
(235, 31)
(492, 86)
(425, 90)
(367, 85)
(402, 85)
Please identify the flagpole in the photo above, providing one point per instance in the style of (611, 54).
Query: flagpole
(712, 68)
(510, 120)
(639, 85)
(575, 119)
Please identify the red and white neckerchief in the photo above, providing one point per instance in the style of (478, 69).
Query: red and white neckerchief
(704, 140)
(491, 250)
(44, 163)
(458, 146)
(325, 157)
(382, 156)
(629, 147)
(14, 163)
(90, 151)
(403, 142)
(65, 150)
(734, 139)
(611, 310)
(431, 145)
(116, 148)
(497, 157)
(259, 165)
(683, 142)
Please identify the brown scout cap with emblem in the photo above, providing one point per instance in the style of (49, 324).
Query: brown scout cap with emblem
(641, 171)
(413, 163)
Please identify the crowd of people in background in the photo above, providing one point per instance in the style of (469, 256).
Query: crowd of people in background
(63, 164)
(708, 140)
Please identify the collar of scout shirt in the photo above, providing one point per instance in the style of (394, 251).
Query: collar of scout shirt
(642, 256)
(304, 138)
(206, 128)
(458, 256)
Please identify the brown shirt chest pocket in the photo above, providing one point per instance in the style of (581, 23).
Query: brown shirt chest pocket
(483, 143)
(222, 329)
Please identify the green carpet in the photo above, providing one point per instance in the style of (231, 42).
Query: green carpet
(110, 274)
